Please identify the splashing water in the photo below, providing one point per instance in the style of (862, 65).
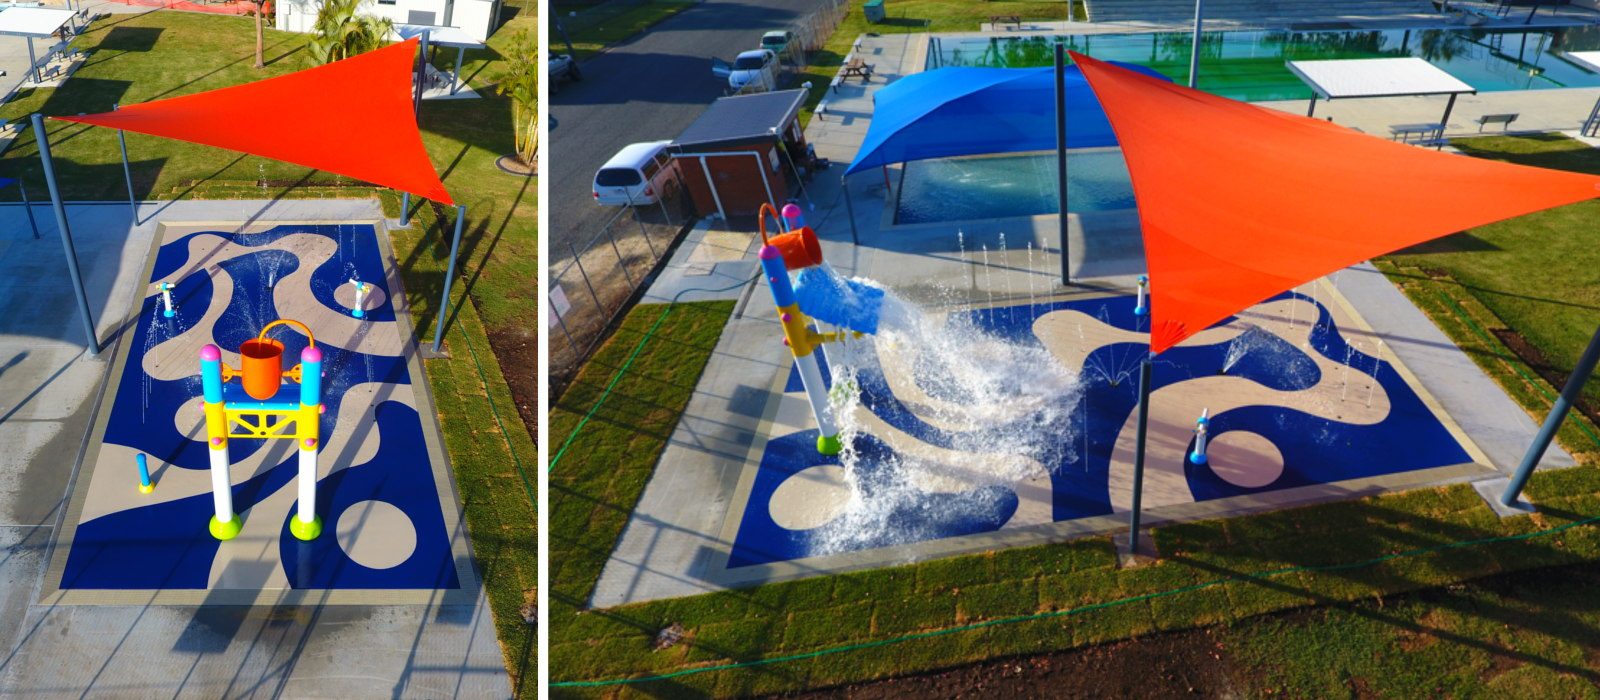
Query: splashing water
(1002, 406)
(1252, 338)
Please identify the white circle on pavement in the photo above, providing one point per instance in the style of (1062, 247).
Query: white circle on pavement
(810, 498)
(1244, 459)
(376, 534)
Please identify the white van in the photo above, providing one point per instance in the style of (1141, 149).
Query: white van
(640, 173)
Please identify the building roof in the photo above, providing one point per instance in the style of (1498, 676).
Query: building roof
(452, 37)
(36, 22)
(1588, 59)
(742, 119)
(1377, 77)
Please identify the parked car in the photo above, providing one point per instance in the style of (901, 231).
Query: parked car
(778, 42)
(757, 67)
(640, 173)
(562, 67)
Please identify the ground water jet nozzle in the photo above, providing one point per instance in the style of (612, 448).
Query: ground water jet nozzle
(166, 300)
(1140, 308)
(361, 293)
(1201, 428)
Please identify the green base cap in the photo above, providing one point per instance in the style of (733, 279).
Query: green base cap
(226, 530)
(829, 445)
(303, 530)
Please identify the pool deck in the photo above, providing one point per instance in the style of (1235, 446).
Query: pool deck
(49, 390)
(668, 551)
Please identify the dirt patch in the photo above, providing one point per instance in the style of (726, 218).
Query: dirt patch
(518, 352)
(1179, 664)
(1531, 354)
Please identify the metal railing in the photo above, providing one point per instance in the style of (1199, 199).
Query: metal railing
(602, 279)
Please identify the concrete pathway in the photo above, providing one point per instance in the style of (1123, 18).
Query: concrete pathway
(48, 390)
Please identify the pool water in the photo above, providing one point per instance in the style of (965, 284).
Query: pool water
(994, 187)
(1249, 65)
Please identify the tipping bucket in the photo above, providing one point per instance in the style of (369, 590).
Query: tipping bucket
(261, 363)
(800, 248)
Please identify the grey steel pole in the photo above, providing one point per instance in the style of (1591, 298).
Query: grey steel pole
(1552, 423)
(422, 74)
(449, 277)
(1061, 157)
(127, 172)
(455, 80)
(849, 208)
(1138, 455)
(43, 142)
(28, 207)
(33, 63)
(1194, 47)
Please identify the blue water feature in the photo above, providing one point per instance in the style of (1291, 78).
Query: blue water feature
(833, 299)
(1316, 450)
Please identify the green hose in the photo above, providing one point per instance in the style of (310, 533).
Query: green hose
(1078, 610)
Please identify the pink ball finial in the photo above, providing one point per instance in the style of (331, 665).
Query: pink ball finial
(310, 443)
(210, 353)
(791, 210)
(322, 408)
(786, 317)
(786, 342)
(216, 441)
(311, 353)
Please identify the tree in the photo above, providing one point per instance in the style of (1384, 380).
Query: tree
(261, 9)
(520, 82)
(342, 31)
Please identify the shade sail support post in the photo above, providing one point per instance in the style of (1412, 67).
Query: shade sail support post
(1311, 111)
(849, 209)
(1444, 121)
(1552, 423)
(43, 141)
(1138, 455)
(127, 172)
(1194, 46)
(33, 63)
(1061, 159)
(455, 78)
(449, 278)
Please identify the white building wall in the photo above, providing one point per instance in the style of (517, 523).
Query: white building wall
(476, 17)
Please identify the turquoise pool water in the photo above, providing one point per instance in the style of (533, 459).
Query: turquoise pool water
(995, 187)
(1250, 65)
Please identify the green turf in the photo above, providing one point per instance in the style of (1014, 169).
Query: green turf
(597, 26)
(595, 487)
(138, 58)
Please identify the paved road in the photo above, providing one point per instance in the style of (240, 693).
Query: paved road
(644, 89)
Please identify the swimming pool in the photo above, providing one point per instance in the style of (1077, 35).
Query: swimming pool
(996, 187)
(1249, 65)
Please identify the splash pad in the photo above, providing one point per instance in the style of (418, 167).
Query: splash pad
(316, 460)
(960, 427)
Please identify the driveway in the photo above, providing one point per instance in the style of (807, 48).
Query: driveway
(647, 88)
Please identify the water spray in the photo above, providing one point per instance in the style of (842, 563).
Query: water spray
(1201, 428)
(166, 301)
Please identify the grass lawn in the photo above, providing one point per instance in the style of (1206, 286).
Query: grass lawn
(162, 54)
(1025, 600)
(600, 25)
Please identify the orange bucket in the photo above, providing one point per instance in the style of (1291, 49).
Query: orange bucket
(800, 248)
(262, 365)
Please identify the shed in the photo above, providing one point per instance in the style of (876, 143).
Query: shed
(741, 152)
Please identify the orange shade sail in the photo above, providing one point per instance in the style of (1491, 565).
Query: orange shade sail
(353, 117)
(1239, 203)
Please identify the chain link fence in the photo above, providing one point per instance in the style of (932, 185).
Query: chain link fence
(590, 289)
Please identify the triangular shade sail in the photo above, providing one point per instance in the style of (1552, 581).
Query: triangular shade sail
(352, 117)
(977, 111)
(1239, 203)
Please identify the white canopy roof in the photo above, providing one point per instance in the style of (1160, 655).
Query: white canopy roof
(452, 37)
(34, 22)
(1587, 59)
(1377, 77)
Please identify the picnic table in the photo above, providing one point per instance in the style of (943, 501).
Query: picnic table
(998, 20)
(856, 66)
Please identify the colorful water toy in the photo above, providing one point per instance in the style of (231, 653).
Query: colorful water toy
(145, 486)
(1202, 427)
(1140, 308)
(799, 249)
(260, 406)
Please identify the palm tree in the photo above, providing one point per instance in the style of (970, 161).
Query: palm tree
(520, 82)
(342, 31)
